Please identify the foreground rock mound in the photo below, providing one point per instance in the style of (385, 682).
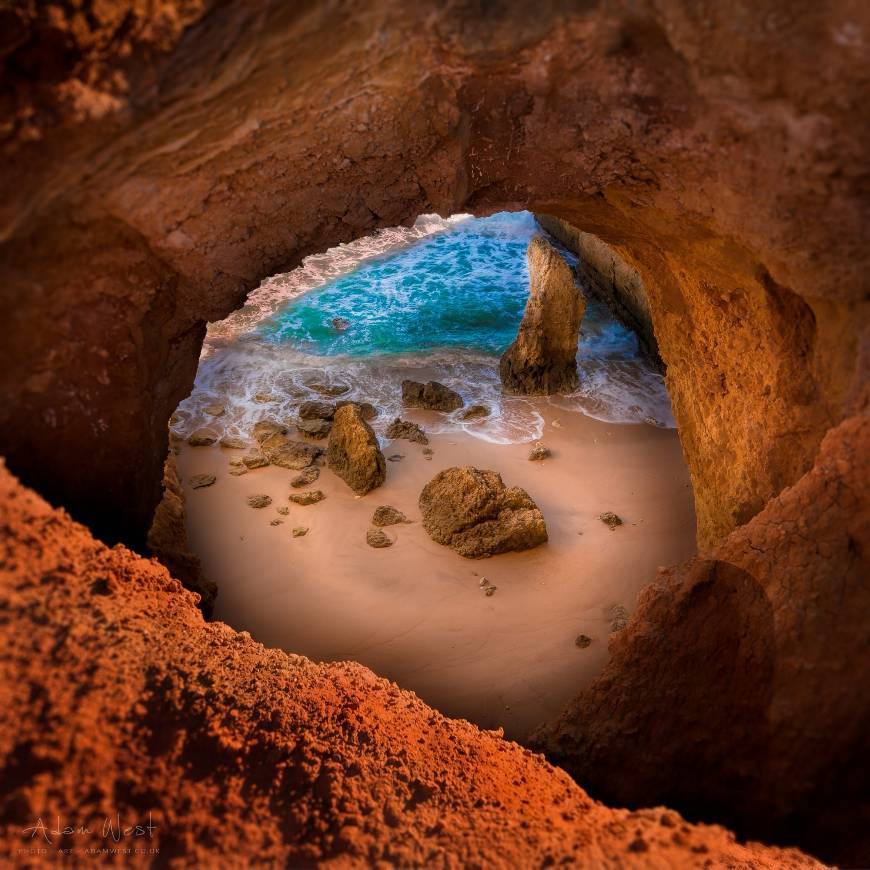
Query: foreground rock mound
(542, 359)
(312, 763)
(354, 454)
(475, 514)
(280, 450)
(432, 396)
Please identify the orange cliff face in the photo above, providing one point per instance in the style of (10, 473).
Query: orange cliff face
(118, 702)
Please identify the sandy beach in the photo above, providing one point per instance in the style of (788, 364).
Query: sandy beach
(415, 612)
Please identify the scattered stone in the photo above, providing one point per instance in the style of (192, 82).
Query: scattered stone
(316, 410)
(388, 516)
(378, 538)
(353, 453)
(555, 424)
(396, 457)
(543, 357)
(198, 481)
(582, 641)
(286, 453)
(474, 412)
(484, 582)
(306, 477)
(539, 452)
(405, 429)
(265, 398)
(202, 438)
(431, 395)
(428, 452)
(315, 428)
(299, 531)
(339, 324)
(259, 501)
(618, 616)
(367, 410)
(474, 513)
(305, 498)
(610, 519)
(283, 510)
(233, 442)
(266, 428)
(255, 459)
(328, 389)
(214, 410)
(276, 522)
(236, 462)
(237, 472)
(489, 591)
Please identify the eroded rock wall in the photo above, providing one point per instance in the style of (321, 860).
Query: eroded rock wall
(117, 701)
(742, 670)
(722, 156)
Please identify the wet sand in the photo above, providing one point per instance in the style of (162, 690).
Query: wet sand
(415, 612)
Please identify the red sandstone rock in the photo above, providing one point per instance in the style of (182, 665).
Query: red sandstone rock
(742, 672)
(117, 698)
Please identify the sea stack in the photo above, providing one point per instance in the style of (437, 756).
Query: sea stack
(542, 358)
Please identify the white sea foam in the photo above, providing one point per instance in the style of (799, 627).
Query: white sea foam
(254, 377)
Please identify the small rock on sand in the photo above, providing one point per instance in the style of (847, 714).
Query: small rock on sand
(428, 452)
(306, 477)
(202, 438)
(405, 429)
(582, 641)
(315, 428)
(388, 516)
(299, 531)
(276, 522)
(474, 412)
(200, 480)
(539, 452)
(259, 501)
(214, 410)
(378, 538)
(305, 498)
(396, 457)
(489, 591)
(283, 510)
(233, 442)
(610, 519)
(255, 459)
(238, 471)
(431, 395)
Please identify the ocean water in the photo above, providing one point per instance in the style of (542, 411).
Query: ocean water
(440, 300)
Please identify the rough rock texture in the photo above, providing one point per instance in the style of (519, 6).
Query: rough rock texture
(404, 429)
(163, 158)
(366, 409)
(116, 697)
(317, 429)
(474, 513)
(353, 453)
(378, 539)
(432, 396)
(543, 357)
(388, 516)
(315, 410)
(286, 453)
(761, 695)
(167, 539)
(603, 273)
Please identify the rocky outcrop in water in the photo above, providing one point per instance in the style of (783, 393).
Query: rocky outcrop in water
(353, 453)
(475, 514)
(432, 396)
(542, 359)
(606, 275)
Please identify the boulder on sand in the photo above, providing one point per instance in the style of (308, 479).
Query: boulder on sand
(353, 453)
(432, 396)
(280, 450)
(388, 516)
(474, 513)
(543, 358)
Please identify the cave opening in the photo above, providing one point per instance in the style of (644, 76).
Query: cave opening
(306, 564)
